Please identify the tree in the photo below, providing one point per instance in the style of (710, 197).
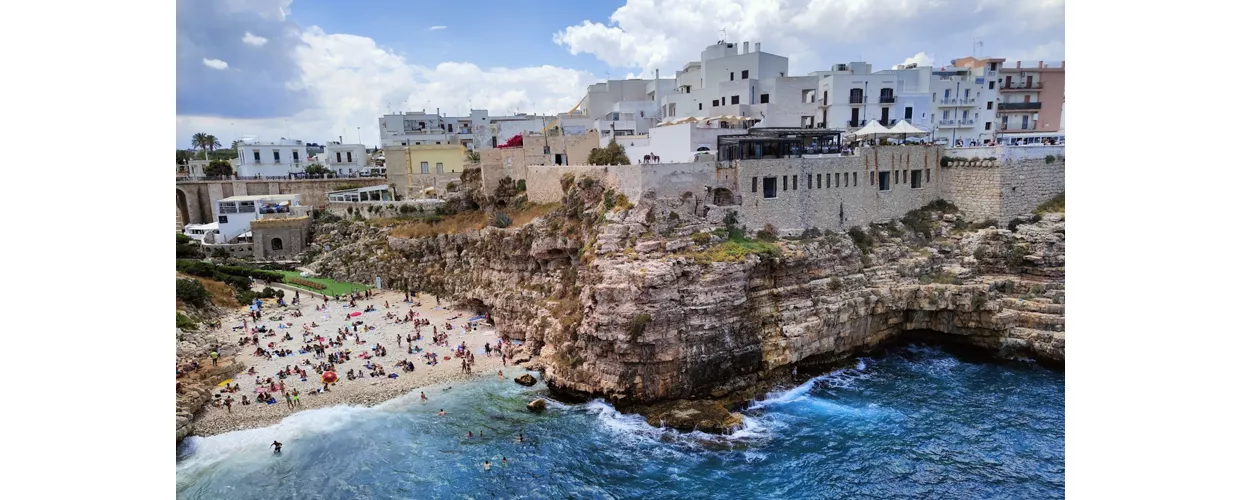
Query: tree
(613, 154)
(316, 169)
(219, 168)
(205, 142)
(212, 143)
(473, 157)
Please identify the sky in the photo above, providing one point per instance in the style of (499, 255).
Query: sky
(321, 70)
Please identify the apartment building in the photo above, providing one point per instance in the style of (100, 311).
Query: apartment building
(344, 159)
(1031, 97)
(730, 79)
(270, 159)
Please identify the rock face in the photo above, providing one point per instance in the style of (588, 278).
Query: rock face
(537, 405)
(634, 305)
(526, 380)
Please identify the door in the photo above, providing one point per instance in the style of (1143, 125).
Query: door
(885, 117)
(1008, 82)
(856, 116)
(1029, 81)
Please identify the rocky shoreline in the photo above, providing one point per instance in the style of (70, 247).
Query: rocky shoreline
(658, 310)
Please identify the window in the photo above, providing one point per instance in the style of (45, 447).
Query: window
(699, 106)
(871, 177)
(257, 159)
(736, 99)
(990, 104)
(1024, 124)
(744, 74)
(768, 187)
(732, 76)
(908, 113)
(992, 85)
(916, 179)
(764, 98)
(438, 167)
(338, 160)
(987, 125)
(349, 155)
(905, 177)
(245, 207)
(966, 93)
(785, 183)
(295, 157)
(275, 153)
(927, 176)
(449, 127)
(277, 244)
(884, 181)
(714, 102)
(228, 207)
(426, 168)
(819, 181)
(794, 182)
(945, 114)
(223, 219)
(828, 181)
(845, 179)
(854, 178)
(947, 94)
(754, 188)
(807, 96)
(837, 179)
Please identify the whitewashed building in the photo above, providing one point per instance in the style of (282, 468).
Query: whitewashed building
(233, 215)
(344, 159)
(270, 159)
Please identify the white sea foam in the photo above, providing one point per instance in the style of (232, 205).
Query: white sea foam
(208, 451)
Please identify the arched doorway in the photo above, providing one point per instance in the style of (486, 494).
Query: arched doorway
(182, 210)
(277, 245)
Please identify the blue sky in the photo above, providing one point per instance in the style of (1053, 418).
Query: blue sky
(315, 69)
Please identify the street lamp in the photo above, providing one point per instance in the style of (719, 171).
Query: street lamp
(957, 113)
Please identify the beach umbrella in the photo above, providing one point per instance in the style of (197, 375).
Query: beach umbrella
(329, 377)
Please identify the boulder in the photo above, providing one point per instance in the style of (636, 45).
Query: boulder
(688, 415)
(526, 380)
(537, 405)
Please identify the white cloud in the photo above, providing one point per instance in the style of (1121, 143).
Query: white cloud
(253, 39)
(665, 34)
(920, 59)
(214, 63)
(352, 81)
(437, 28)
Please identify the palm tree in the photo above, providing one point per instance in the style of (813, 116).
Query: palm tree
(199, 141)
(212, 143)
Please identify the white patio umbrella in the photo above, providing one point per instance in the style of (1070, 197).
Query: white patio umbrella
(905, 129)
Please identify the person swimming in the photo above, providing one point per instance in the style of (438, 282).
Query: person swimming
(442, 413)
(277, 445)
(486, 464)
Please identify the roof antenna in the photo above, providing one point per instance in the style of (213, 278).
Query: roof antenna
(725, 35)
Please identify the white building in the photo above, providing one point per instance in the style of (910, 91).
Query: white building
(344, 159)
(234, 214)
(270, 159)
(624, 107)
(732, 80)
(418, 128)
(200, 231)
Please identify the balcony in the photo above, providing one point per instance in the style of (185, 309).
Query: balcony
(888, 122)
(957, 102)
(1019, 106)
(856, 100)
(886, 99)
(1019, 86)
(957, 123)
(856, 123)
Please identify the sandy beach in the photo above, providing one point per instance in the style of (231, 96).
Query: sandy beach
(365, 391)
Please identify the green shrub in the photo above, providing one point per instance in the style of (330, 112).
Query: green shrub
(810, 233)
(314, 285)
(501, 220)
(979, 301)
(673, 216)
(942, 278)
(638, 326)
(767, 233)
(190, 291)
(1016, 257)
(185, 323)
(730, 219)
(835, 283)
(862, 239)
(609, 199)
(1053, 205)
(343, 187)
(700, 238)
(187, 248)
(1050, 159)
(521, 186)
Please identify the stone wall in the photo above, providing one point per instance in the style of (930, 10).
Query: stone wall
(376, 209)
(542, 183)
(975, 189)
(1028, 183)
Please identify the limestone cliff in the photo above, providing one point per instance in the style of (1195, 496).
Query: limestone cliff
(650, 303)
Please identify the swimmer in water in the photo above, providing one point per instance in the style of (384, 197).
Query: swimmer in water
(486, 464)
(504, 461)
(442, 413)
(277, 445)
(520, 437)
(470, 435)
(423, 396)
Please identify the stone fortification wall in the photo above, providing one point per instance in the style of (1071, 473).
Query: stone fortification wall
(375, 209)
(543, 182)
(975, 188)
(1028, 183)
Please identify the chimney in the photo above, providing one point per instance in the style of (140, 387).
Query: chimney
(757, 47)
(746, 48)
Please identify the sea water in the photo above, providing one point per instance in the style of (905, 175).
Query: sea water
(914, 422)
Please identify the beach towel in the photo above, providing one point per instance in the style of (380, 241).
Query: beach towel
(272, 402)
(391, 375)
(476, 318)
(354, 314)
(224, 383)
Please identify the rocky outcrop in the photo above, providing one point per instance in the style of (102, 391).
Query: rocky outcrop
(537, 405)
(196, 391)
(526, 380)
(651, 304)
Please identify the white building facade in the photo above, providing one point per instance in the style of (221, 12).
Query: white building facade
(270, 159)
(233, 215)
(344, 159)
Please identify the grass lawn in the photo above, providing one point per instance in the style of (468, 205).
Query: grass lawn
(333, 287)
